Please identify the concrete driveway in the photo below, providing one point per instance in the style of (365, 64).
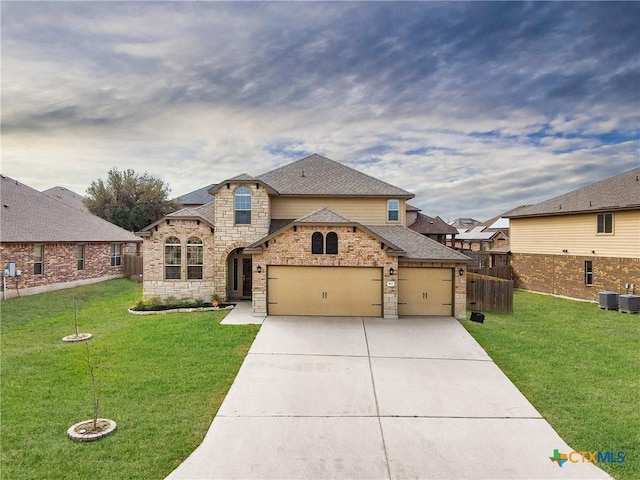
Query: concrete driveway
(348, 398)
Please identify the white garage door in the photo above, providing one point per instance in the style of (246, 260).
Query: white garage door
(331, 291)
(425, 291)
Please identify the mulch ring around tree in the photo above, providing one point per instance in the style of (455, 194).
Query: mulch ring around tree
(80, 337)
(85, 432)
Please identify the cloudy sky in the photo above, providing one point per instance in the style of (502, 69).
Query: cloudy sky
(475, 107)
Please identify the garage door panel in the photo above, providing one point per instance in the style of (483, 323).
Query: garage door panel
(425, 291)
(333, 291)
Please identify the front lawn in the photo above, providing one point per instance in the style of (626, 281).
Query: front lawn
(162, 379)
(579, 366)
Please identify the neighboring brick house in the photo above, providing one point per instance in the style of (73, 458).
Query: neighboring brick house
(580, 243)
(55, 245)
(313, 237)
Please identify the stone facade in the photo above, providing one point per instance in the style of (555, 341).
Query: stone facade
(229, 236)
(565, 274)
(60, 265)
(460, 283)
(355, 249)
(155, 284)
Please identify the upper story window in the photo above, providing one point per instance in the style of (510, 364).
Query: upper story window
(605, 223)
(80, 257)
(172, 259)
(195, 251)
(317, 243)
(332, 243)
(242, 206)
(38, 259)
(393, 210)
(116, 254)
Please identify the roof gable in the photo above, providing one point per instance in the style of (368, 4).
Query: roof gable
(197, 197)
(621, 192)
(316, 175)
(31, 216)
(426, 225)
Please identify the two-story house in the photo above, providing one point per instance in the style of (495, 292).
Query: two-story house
(313, 237)
(580, 243)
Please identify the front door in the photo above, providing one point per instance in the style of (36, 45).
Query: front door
(247, 279)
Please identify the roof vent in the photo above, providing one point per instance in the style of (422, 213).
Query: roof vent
(302, 174)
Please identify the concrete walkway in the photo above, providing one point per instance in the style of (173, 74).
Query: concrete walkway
(348, 398)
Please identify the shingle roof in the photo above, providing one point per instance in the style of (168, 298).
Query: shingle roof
(621, 192)
(29, 216)
(400, 240)
(67, 196)
(323, 216)
(426, 225)
(206, 212)
(317, 175)
(197, 197)
(417, 246)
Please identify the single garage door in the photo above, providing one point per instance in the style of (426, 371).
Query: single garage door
(331, 291)
(425, 291)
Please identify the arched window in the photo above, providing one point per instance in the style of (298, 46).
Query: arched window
(332, 243)
(172, 259)
(242, 205)
(317, 243)
(195, 257)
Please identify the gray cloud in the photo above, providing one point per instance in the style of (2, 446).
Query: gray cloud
(477, 107)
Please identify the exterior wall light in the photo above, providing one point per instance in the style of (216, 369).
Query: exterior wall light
(259, 269)
(461, 272)
(392, 271)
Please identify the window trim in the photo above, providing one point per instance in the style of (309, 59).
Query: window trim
(588, 273)
(237, 194)
(116, 254)
(604, 224)
(200, 246)
(40, 247)
(393, 210)
(80, 256)
(175, 242)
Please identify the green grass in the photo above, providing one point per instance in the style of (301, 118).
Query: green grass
(578, 365)
(162, 379)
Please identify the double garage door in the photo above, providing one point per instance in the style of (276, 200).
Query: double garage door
(356, 291)
(331, 291)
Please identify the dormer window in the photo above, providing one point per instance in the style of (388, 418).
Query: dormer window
(242, 205)
(393, 210)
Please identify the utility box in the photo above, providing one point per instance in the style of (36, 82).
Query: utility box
(608, 300)
(630, 303)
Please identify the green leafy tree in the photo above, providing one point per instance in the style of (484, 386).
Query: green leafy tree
(129, 200)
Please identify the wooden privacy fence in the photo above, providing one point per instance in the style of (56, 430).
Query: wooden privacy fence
(503, 272)
(489, 294)
(132, 265)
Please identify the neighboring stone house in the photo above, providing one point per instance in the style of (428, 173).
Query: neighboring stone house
(313, 237)
(580, 243)
(54, 245)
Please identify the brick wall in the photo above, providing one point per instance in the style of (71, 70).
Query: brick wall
(564, 274)
(357, 249)
(60, 265)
